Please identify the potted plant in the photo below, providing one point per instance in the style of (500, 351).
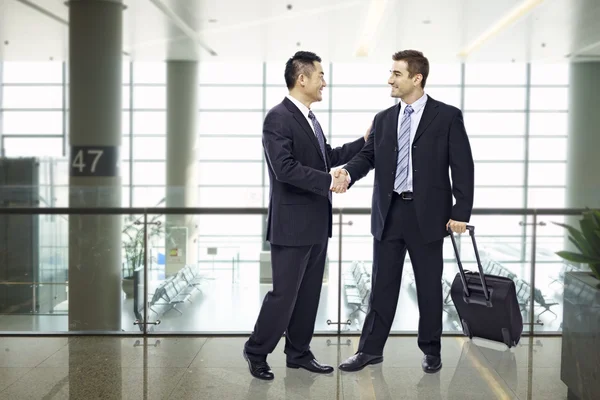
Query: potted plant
(580, 358)
(133, 245)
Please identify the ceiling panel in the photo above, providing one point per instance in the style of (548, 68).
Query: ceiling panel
(269, 30)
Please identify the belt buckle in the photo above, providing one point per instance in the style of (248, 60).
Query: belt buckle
(406, 195)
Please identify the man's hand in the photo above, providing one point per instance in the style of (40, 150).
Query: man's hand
(340, 180)
(456, 226)
(368, 132)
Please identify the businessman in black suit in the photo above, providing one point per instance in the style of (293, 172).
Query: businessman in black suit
(299, 220)
(412, 146)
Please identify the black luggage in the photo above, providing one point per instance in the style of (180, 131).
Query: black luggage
(487, 305)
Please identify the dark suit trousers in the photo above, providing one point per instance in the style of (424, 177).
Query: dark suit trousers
(291, 306)
(401, 233)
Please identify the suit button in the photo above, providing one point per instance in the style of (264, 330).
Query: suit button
(414, 147)
(389, 195)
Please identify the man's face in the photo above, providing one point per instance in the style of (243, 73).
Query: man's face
(402, 85)
(313, 85)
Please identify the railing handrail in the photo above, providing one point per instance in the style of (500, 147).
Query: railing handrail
(251, 211)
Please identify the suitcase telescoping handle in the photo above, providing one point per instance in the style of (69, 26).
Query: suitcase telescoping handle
(471, 230)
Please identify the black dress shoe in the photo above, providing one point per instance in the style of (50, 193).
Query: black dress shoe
(431, 364)
(359, 361)
(312, 366)
(259, 369)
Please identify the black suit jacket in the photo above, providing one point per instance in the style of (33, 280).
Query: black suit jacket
(299, 208)
(440, 143)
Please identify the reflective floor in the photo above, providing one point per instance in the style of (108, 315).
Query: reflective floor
(213, 368)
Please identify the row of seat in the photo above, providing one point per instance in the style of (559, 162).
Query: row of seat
(357, 287)
(176, 290)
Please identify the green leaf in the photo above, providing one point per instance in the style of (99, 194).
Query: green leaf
(577, 238)
(578, 258)
(587, 227)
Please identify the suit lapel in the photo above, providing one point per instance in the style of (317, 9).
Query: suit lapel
(304, 124)
(392, 120)
(429, 114)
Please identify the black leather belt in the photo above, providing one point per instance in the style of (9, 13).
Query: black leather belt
(405, 195)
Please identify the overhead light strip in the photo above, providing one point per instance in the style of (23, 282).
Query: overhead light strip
(374, 17)
(513, 16)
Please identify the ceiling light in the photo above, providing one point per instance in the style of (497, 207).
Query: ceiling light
(513, 16)
(373, 22)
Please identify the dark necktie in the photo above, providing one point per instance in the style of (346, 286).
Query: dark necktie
(320, 138)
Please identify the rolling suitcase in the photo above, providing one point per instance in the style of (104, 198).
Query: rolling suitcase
(487, 305)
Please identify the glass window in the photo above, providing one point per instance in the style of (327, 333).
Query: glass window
(498, 198)
(227, 98)
(445, 95)
(125, 173)
(125, 148)
(550, 174)
(549, 99)
(275, 73)
(29, 147)
(228, 73)
(492, 225)
(275, 95)
(125, 98)
(230, 173)
(443, 74)
(497, 149)
(149, 72)
(230, 123)
(360, 73)
(349, 124)
(361, 98)
(494, 98)
(125, 197)
(549, 74)
(149, 123)
(495, 74)
(495, 123)
(230, 148)
(149, 97)
(32, 72)
(548, 124)
(125, 123)
(356, 197)
(237, 197)
(499, 174)
(149, 148)
(148, 196)
(546, 198)
(548, 149)
(32, 97)
(149, 173)
(32, 122)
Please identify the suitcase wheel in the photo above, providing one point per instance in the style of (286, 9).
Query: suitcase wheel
(466, 330)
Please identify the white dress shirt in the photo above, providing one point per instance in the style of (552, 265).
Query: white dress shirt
(305, 110)
(418, 107)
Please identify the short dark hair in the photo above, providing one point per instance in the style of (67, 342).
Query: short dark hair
(301, 63)
(416, 61)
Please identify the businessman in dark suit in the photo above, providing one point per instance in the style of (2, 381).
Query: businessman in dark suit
(412, 147)
(299, 220)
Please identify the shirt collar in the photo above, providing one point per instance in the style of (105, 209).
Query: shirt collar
(418, 105)
(303, 109)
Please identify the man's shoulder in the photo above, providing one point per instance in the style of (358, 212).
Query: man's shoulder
(280, 110)
(444, 107)
(390, 110)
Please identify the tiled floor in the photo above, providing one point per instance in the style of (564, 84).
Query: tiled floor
(200, 368)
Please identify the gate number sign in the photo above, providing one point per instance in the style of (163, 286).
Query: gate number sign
(94, 161)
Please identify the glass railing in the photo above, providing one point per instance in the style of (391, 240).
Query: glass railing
(206, 271)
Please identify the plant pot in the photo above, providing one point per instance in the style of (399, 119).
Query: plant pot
(580, 358)
(127, 285)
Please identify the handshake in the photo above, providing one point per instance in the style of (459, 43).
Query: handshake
(339, 180)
